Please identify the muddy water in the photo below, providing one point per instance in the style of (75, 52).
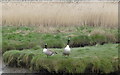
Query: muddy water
(6, 69)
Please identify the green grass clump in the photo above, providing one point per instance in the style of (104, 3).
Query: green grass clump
(10, 57)
(0, 39)
(67, 65)
(81, 40)
(101, 37)
(98, 38)
(25, 58)
(19, 58)
(93, 59)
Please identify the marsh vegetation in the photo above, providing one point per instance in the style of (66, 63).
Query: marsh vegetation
(93, 33)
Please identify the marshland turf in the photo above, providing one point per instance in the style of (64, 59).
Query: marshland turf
(93, 50)
(23, 37)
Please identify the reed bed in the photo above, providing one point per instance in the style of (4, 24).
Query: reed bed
(55, 14)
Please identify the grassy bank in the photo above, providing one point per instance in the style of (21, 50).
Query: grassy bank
(93, 50)
(23, 37)
(97, 59)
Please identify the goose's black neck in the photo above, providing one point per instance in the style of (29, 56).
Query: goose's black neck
(68, 42)
(45, 45)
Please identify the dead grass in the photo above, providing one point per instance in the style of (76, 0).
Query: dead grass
(48, 14)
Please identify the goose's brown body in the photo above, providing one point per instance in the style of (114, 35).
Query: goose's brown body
(50, 53)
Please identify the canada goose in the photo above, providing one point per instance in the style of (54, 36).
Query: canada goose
(67, 49)
(48, 52)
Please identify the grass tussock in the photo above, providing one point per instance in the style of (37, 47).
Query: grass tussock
(100, 59)
(103, 36)
(49, 15)
(11, 58)
(17, 58)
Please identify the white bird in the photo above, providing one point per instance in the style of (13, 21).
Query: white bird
(48, 52)
(67, 49)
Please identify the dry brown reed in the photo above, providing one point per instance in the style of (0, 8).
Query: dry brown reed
(48, 14)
